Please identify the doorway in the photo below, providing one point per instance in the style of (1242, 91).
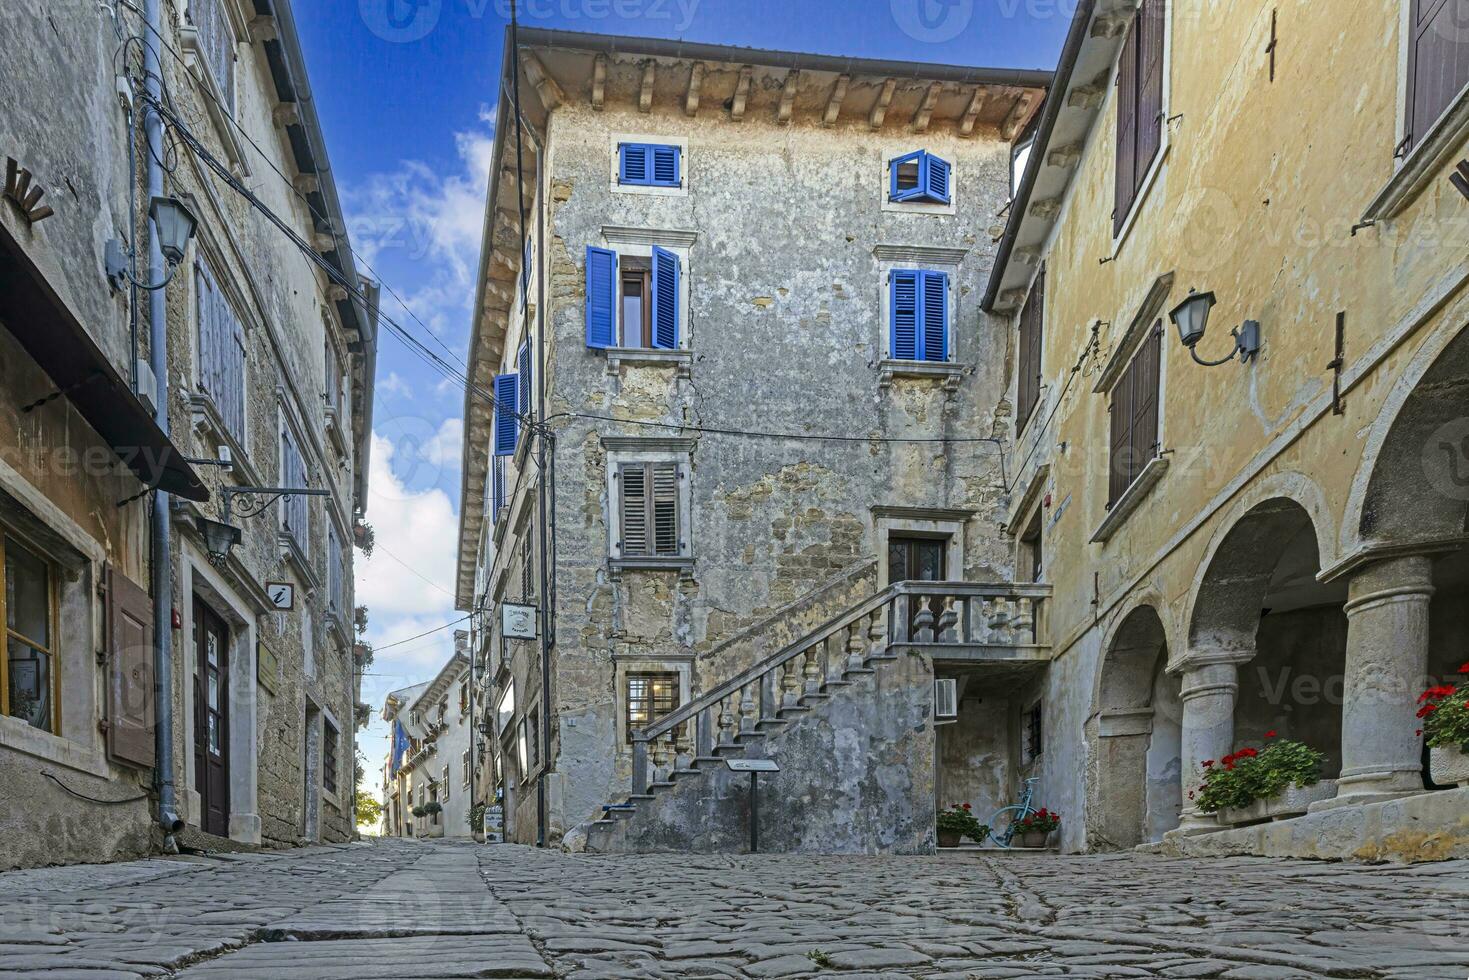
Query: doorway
(211, 719)
(914, 559)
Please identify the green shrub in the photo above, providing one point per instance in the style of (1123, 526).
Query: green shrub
(1444, 711)
(958, 819)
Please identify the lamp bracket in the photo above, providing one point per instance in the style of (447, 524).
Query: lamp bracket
(1246, 345)
(271, 495)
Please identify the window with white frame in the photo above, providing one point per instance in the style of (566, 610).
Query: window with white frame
(650, 522)
(635, 300)
(649, 164)
(216, 38)
(221, 337)
(920, 176)
(30, 681)
(918, 315)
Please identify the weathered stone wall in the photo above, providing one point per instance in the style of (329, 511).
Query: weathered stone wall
(786, 333)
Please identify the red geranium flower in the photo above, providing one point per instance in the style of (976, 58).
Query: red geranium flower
(1208, 763)
(1427, 710)
(1270, 734)
(1436, 693)
(967, 806)
(1464, 669)
(1417, 733)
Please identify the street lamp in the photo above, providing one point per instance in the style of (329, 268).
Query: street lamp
(219, 538)
(1191, 317)
(175, 224)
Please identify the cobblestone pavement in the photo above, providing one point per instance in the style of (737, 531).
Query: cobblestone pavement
(406, 909)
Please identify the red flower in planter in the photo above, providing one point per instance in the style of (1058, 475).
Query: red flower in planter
(1208, 763)
(1464, 669)
(1427, 710)
(1270, 734)
(967, 806)
(1437, 693)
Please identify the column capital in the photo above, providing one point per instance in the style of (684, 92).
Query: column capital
(1373, 552)
(1195, 660)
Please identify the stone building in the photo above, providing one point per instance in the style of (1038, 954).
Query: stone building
(430, 756)
(746, 314)
(1274, 546)
(267, 364)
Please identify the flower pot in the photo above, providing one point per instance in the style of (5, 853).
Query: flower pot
(1034, 838)
(1449, 765)
(1293, 801)
(949, 838)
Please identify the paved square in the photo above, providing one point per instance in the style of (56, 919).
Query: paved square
(408, 909)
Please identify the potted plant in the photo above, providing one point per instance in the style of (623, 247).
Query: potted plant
(958, 822)
(476, 821)
(1444, 711)
(1036, 828)
(418, 810)
(1252, 785)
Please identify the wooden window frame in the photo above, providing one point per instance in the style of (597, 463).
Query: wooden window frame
(650, 504)
(1131, 183)
(53, 623)
(1030, 352)
(671, 704)
(1124, 434)
(635, 269)
(1419, 21)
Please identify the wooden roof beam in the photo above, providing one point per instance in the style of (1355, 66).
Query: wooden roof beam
(645, 91)
(788, 96)
(741, 94)
(1019, 113)
(925, 108)
(971, 114)
(546, 88)
(834, 104)
(599, 82)
(696, 83)
(884, 99)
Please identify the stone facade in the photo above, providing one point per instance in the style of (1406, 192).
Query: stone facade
(1286, 555)
(303, 365)
(435, 766)
(779, 334)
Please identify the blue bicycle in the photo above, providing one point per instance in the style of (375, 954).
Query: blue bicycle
(1005, 824)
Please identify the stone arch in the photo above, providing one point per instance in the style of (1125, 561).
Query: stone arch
(1413, 482)
(1136, 792)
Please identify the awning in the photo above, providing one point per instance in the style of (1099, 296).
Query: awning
(46, 327)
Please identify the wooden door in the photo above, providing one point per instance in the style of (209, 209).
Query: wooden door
(917, 560)
(211, 719)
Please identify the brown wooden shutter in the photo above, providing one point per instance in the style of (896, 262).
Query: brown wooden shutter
(131, 716)
(1126, 128)
(634, 479)
(1032, 327)
(1120, 441)
(1438, 61)
(665, 509)
(1150, 88)
(1145, 402)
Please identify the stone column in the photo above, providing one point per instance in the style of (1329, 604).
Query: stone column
(1210, 688)
(1387, 665)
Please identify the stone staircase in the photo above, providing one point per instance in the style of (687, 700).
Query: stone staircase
(846, 711)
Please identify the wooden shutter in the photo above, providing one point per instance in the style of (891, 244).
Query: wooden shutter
(131, 714)
(522, 363)
(665, 509)
(497, 487)
(1127, 124)
(634, 167)
(1134, 421)
(507, 426)
(665, 299)
(634, 489)
(665, 166)
(1438, 61)
(601, 298)
(1032, 332)
(907, 193)
(935, 179)
(1150, 88)
(935, 306)
(904, 315)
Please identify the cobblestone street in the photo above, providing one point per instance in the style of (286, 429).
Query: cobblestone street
(419, 909)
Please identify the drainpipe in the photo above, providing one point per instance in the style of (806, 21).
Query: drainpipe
(168, 817)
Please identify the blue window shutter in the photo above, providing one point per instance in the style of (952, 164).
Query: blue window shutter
(934, 306)
(507, 426)
(497, 486)
(522, 363)
(904, 315)
(634, 165)
(911, 193)
(601, 298)
(934, 177)
(665, 299)
(665, 166)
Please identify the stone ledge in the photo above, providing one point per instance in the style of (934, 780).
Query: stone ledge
(1430, 826)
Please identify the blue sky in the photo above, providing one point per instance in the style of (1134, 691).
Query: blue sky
(404, 89)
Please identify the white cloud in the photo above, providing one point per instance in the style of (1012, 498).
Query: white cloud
(446, 446)
(410, 575)
(395, 384)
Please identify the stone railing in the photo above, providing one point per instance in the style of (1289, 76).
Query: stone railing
(958, 619)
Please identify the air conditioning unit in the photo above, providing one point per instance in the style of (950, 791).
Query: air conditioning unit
(945, 701)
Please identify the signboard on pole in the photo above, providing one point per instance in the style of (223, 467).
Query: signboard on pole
(518, 622)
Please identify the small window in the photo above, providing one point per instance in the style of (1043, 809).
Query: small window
(336, 578)
(444, 782)
(468, 769)
(1032, 743)
(650, 696)
(636, 291)
(1030, 343)
(919, 176)
(216, 37)
(919, 315)
(221, 336)
(634, 300)
(650, 165)
(1032, 553)
(29, 684)
(1134, 416)
(328, 757)
(1438, 63)
(651, 524)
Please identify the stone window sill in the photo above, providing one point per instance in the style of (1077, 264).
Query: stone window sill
(1131, 499)
(18, 736)
(682, 361)
(951, 374)
(1423, 164)
(682, 565)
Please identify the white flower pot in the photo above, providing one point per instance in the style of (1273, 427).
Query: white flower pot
(1293, 801)
(1449, 766)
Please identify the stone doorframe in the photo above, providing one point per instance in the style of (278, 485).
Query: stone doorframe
(932, 522)
(198, 577)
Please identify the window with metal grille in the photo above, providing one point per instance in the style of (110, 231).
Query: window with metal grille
(221, 351)
(1134, 417)
(650, 696)
(1438, 63)
(216, 37)
(335, 577)
(295, 513)
(1032, 335)
(1033, 744)
(1139, 106)
(328, 756)
(651, 525)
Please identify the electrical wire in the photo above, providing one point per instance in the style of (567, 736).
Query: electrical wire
(437, 629)
(91, 799)
(1056, 405)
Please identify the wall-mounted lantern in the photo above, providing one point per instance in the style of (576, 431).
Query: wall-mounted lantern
(1191, 317)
